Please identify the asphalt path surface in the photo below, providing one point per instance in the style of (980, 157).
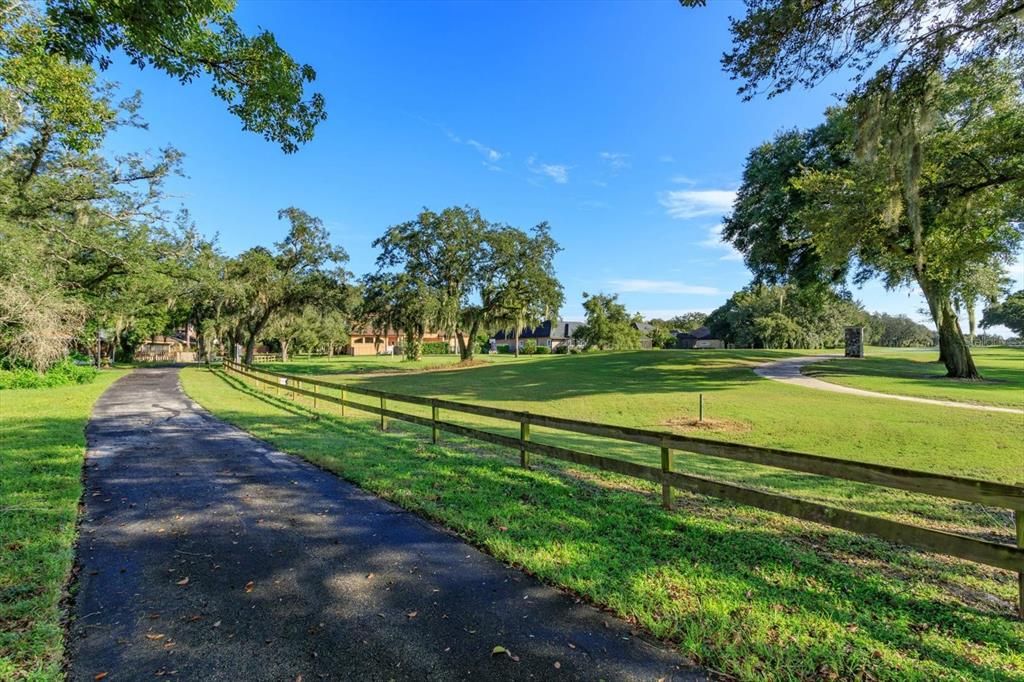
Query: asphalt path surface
(788, 371)
(204, 554)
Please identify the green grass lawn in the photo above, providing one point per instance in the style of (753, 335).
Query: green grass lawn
(42, 444)
(917, 373)
(749, 593)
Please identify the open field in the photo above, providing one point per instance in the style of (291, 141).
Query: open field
(42, 441)
(659, 390)
(747, 592)
(916, 373)
(382, 364)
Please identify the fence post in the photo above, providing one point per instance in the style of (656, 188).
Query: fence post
(666, 489)
(524, 438)
(1018, 515)
(314, 396)
(342, 401)
(701, 418)
(383, 419)
(433, 428)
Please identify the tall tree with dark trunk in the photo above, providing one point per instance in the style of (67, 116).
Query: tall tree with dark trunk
(814, 205)
(304, 269)
(896, 53)
(478, 273)
(520, 287)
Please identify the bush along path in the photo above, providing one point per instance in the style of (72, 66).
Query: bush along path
(206, 554)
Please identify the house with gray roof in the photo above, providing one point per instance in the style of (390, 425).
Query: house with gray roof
(550, 334)
(700, 337)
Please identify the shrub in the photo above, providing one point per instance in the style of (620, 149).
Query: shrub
(542, 350)
(62, 374)
(529, 347)
(436, 348)
(562, 350)
(505, 349)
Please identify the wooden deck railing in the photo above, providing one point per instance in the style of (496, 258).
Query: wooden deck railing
(999, 555)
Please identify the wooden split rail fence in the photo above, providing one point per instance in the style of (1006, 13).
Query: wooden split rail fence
(999, 555)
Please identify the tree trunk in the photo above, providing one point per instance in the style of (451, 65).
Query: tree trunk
(468, 348)
(516, 336)
(413, 346)
(284, 351)
(954, 352)
(972, 321)
(250, 348)
(330, 349)
(953, 346)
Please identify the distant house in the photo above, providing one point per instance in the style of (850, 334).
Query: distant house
(698, 338)
(164, 349)
(646, 332)
(551, 334)
(367, 341)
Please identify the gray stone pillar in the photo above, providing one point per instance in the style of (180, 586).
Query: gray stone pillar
(854, 342)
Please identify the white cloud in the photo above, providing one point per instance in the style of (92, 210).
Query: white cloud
(557, 172)
(661, 286)
(616, 160)
(666, 158)
(683, 180)
(714, 241)
(491, 155)
(694, 203)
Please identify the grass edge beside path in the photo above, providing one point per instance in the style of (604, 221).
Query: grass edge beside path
(918, 374)
(42, 440)
(749, 593)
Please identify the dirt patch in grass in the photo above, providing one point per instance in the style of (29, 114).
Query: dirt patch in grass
(716, 425)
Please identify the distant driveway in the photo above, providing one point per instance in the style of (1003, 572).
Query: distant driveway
(205, 554)
(788, 372)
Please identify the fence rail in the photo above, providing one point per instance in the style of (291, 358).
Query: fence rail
(999, 555)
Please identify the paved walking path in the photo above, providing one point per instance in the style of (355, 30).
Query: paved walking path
(788, 372)
(206, 555)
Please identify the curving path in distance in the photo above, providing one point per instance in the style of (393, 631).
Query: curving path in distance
(205, 554)
(788, 372)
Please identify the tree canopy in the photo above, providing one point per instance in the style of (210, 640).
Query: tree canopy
(478, 274)
(609, 325)
(260, 82)
(1009, 313)
(818, 204)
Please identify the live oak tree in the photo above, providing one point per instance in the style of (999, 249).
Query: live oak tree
(187, 39)
(895, 52)
(609, 325)
(304, 269)
(966, 209)
(442, 252)
(84, 237)
(400, 301)
(519, 287)
(87, 244)
(785, 316)
(1009, 313)
(478, 274)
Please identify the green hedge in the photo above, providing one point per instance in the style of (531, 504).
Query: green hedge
(436, 348)
(63, 373)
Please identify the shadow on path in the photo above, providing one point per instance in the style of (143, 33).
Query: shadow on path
(206, 554)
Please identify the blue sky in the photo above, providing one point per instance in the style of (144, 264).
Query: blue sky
(612, 121)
